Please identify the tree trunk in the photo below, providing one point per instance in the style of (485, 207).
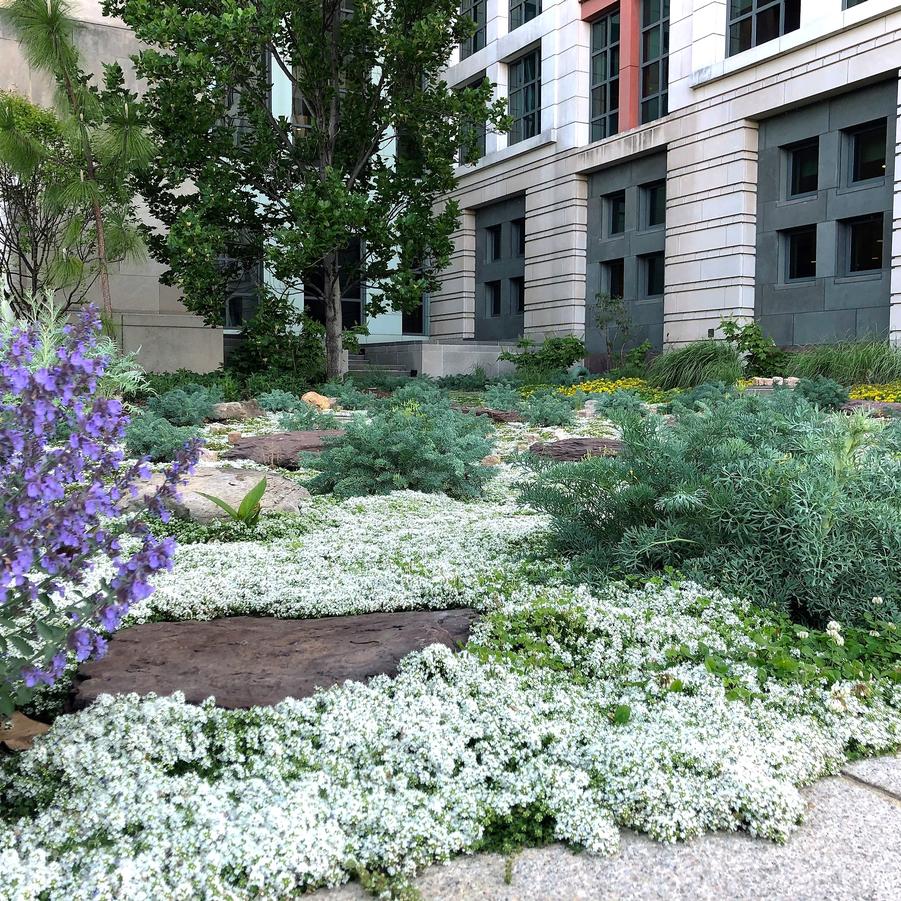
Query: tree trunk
(105, 296)
(334, 319)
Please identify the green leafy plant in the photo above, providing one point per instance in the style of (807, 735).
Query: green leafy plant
(553, 356)
(822, 392)
(477, 380)
(279, 401)
(614, 322)
(761, 355)
(766, 498)
(151, 436)
(190, 405)
(406, 448)
(696, 363)
(617, 404)
(348, 395)
(248, 511)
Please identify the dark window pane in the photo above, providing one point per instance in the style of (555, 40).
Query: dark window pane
(739, 8)
(493, 298)
(869, 152)
(655, 198)
(767, 25)
(613, 277)
(655, 268)
(413, 321)
(617, 207)
(654, 59)
(805, 166)
(792, 21)
(524, 97)
(867, 244)
(493, 243)
(755, 22)
(740, 35)
(802, 253)
(519, 237)
(518, 295)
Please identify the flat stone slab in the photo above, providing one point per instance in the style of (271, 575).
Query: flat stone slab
(247, 661)
(492, 414)
(228, 484)
(572, 450)
(20, 733)
(236, 411)
(847, 850)
(282, 449)
(883, 773)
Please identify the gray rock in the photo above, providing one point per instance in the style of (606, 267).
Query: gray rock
(230, 485)
(236, 411)
(280, 449)
(883, 773)
(246, 661)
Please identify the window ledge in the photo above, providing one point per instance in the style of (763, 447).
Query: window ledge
(811, 33)
(547, 137)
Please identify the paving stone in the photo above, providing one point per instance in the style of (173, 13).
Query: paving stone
(249, 661)
(228, 484)
(883, 772)
(282, 449)
(572, 450)
(848, 850)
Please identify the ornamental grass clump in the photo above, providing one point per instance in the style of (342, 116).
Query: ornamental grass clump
(56, 503)
(848, 362)
(769, 499)
(406, 446)
(696, 363)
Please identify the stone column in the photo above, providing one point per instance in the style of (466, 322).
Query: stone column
(895, 309)
(452, 308)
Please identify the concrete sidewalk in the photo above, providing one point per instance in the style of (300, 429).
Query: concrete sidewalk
(849, 849)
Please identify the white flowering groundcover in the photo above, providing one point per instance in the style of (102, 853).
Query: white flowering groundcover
(576, 710)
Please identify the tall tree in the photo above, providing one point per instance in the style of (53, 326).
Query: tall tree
(359, 163)
(103, 126)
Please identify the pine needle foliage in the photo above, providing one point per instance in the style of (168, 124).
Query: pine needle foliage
(768, 498)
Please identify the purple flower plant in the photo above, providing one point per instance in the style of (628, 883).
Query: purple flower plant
(62, 481)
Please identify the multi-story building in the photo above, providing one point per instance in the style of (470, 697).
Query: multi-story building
(701, 159)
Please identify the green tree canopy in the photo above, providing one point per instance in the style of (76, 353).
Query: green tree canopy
(235, 181)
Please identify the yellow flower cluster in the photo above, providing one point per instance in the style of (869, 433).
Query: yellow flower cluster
(607, 386)
(890, 393)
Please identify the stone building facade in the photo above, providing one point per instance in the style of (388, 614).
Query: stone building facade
(702, 159)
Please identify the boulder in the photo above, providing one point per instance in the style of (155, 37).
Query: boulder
(236, 411)
(318, 400)
(230, 485)
(282, 449)
(246, 661)
(494, 415)
(572, 450)
(21, 733)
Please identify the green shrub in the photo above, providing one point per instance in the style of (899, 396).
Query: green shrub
(151, 436)
(347, 394)
(545, 408)
(503, 396)
(476, 380)
(767, 498)
(226, 383)
(307, 418)
(761, 355)
(279, 401)
(380, 381)
(434, 450)
(190, 405)
(555, 355)
(616, 404)
(418, 393)
(707, 395)
(827, 394)
(848, 362)
(696, 363)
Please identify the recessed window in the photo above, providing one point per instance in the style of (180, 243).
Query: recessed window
(475, 10)
(654, 59)
(755, 22)
(868, 151)
(493, 247)
(616, 212)
(850, 3)
(525, 97)
(655, 204)
(801, 253)
(613, 277)
(518, 294)
(519, 237)
(472, 146)
(493, 298)
(804, 162)
(866, 243)
(654, 266)
(521, 11)
(605, 76)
